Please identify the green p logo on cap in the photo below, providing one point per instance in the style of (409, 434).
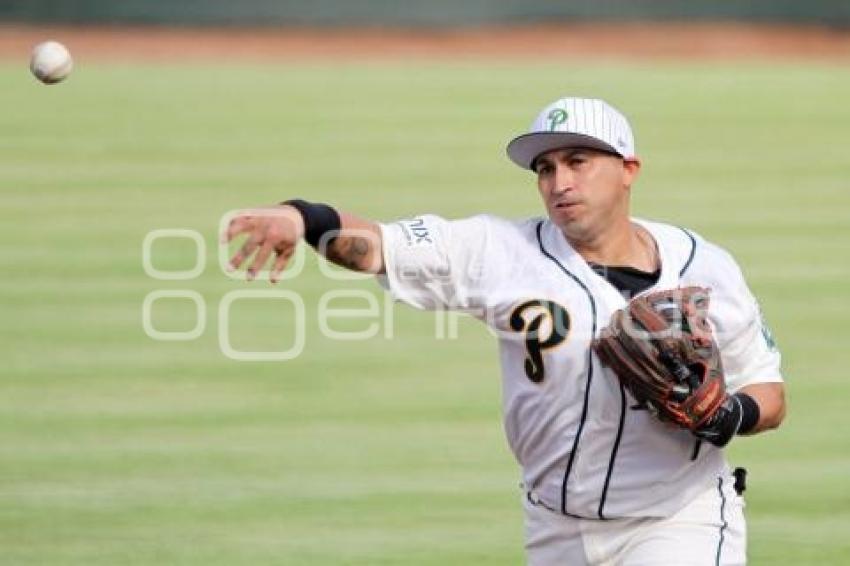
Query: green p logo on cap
(556, 117)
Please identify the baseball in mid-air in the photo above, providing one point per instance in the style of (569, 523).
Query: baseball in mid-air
(51, 62)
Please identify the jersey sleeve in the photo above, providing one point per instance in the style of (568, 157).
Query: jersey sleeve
(748, 350)
(433, 263)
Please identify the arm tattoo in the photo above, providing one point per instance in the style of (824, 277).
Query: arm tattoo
(352, 252)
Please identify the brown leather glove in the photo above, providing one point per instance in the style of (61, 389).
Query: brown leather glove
(662, 350)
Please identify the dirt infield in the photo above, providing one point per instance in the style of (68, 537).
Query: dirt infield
(666, 41)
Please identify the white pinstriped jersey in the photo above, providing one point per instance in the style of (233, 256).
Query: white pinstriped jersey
(584, 448)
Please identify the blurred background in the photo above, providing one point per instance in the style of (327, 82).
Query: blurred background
(118, 448)
(446, 13)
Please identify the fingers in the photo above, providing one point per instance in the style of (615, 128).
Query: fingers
(280, 264)
(260, 259)
(238, 225)
(251, 244)
(268, 231)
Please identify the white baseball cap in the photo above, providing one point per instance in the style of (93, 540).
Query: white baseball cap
(574, 122)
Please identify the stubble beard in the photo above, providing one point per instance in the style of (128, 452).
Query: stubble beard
(576, 230)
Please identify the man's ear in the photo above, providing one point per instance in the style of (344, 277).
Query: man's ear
(631, 168)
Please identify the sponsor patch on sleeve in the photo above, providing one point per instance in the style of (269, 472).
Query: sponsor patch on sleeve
(417, 232)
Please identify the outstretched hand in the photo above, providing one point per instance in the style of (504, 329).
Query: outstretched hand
(273, 229)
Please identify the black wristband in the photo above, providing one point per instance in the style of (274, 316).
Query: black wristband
(723, 424)
(319, 219)
(750, 413)
(738, 414)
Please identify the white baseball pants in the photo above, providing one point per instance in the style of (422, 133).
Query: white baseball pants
(710, 531)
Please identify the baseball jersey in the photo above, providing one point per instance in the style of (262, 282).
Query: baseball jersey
(585, 447)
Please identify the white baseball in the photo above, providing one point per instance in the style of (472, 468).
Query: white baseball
(51, 62)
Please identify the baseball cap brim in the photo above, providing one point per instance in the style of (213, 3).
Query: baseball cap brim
(525, 149)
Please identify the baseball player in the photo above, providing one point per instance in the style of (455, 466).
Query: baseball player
(605, 479)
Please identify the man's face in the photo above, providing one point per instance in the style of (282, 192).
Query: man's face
(584, 190)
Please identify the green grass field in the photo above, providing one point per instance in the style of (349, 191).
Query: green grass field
(119, 449)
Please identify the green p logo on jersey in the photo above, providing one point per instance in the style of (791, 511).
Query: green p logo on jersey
(556, 117)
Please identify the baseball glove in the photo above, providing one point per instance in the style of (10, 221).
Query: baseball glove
(662, 350)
